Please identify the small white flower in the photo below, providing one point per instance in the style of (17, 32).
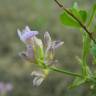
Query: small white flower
(50, 47)
(57, 44)
(38, 77)
(47, 39)
(37, 81)
(37, 42)
(51, 44)
(26, 34)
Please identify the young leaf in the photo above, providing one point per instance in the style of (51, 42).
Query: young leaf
(68, 20)
(83, 15)
(75, 5)
(80, 14)
(93, 50)
(91, 14)
(77, 82)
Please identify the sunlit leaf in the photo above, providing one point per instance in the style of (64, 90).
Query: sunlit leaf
(83, 15)
(80, 14)
(68, 20)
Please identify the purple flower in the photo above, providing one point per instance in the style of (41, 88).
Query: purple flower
(30, 52)
(26, 34)
(37, 53)
(1, 87)
(5, 87)
(8, 87)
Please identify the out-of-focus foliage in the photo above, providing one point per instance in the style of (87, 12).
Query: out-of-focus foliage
(40, 15)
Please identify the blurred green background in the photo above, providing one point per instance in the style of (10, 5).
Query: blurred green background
(41, 15)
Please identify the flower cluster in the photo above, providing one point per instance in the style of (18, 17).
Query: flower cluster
(5, 88)
(38, 52)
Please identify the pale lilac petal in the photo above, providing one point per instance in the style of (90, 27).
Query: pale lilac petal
(30, 52)
(26, 34)
(1, 87)
(58, 44)
(50, 49)
(47, 39)
(9, 87)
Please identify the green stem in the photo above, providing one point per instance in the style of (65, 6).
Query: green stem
(65, 72)
(85, 53)
(61, 70)
(91, 19)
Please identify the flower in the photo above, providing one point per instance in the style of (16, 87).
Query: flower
(50, 47)
(9, 87)
(5, 87)
(32, 44)
(26, 34)
(1, 87)
(47, 39)
(49, 43)
(38, 77)
(39, 53)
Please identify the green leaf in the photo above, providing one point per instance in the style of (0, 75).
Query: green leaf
(83, 15)
(75, 5)
(68, 20)
(79, 60)
(77, 82)
(94, 60)
(94, 30)
(86, 45)
(80, 14)
(91, 14)
(86, 50)
(93, 49)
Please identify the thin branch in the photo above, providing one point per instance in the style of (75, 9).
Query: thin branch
(73, 16)
(65, 72)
